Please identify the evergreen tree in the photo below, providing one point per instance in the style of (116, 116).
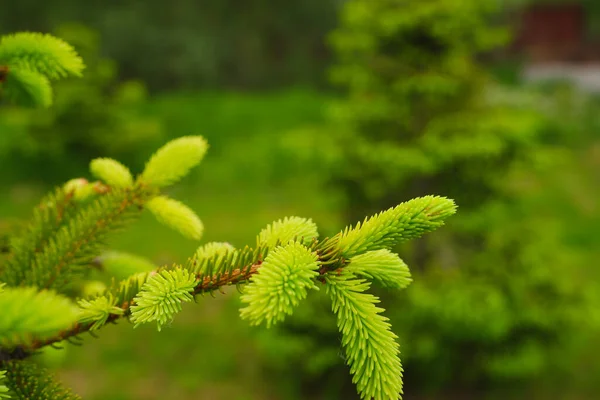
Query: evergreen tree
(45, 295)
(500, 294)
(496, 294)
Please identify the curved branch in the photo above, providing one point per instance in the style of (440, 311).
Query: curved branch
(208, 284)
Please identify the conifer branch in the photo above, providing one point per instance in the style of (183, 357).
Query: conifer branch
(77, 242)
(205, 285)
(27, 380)
(28, 61)
(48, 216)
(280, 271)
(3, 388)
(237, 267)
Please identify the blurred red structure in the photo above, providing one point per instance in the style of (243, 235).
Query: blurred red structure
(555, 32)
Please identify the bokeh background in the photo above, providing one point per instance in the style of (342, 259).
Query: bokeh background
(336, 109)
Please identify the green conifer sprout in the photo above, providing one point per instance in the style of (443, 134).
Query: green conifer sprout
(174, 160)
(29, 60)
(212, 251)
(111, 172)
(73, 184)
(382, 266)
(80, 188)
(370, 345)
(97, 311)
(176, 215)
(280, 284)
(289, 228)
(29, 314)
(27, 88)
(407, 220)
(41, 53)
(3, 389)
(161, 297)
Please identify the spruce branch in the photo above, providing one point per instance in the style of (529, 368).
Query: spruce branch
(97, 311)
(406, 221)
(112, 172)
(371, 348)
(217, 252)
(28, 61)
(40, 53)
(382, 266)
(3, 388)
(129, 290)
(176, 215)
(279, 272)
(161, 297)
(48, 216)
(217, 269)
(77, 243)
(27, 381)
(280, 284)
(217, 260)
(28, 88)
(284, 230)
(174, 160)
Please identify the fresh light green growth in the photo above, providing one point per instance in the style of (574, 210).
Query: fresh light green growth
(280, 284)
(27, 380)
(407, 220)
(161, 296)
(382, 266)
(28, 314)
(97, 311)
(112, 172)
(126, 289)
(284, 230)
(74, 184)
(27, 88)
(41, 53)
(80, 187)
(122, 265)
(176, 215)
(210, 251)
(174, 160)
(3, 388)
(371, 350)
(29, 60)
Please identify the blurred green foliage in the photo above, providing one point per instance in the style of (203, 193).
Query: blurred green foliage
(92, 116)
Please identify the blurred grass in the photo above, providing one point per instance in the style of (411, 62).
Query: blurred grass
(244, 183)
